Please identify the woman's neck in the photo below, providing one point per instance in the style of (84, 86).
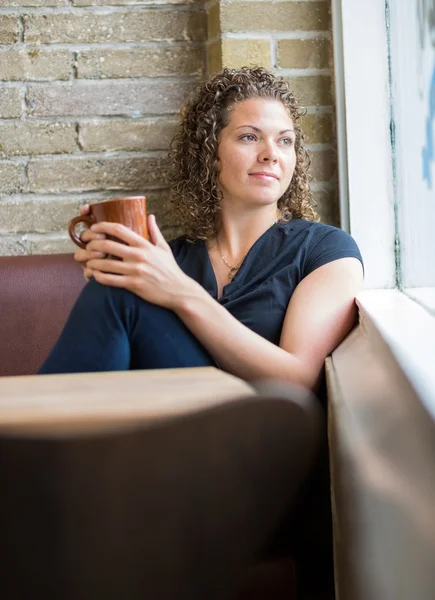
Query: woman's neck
(235, 236)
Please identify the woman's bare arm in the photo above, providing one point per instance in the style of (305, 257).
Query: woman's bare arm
(320, 314)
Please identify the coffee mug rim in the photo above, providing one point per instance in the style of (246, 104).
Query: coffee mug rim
(123, 198)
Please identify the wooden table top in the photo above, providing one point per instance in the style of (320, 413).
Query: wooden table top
(84, 401)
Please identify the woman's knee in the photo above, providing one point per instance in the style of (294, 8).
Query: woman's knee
(99, 296)
(133, 312)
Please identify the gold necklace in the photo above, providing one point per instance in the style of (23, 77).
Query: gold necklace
(234, 269)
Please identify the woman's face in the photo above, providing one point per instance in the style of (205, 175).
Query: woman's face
(256, 153)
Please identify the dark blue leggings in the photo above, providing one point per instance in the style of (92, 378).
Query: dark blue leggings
(110, 329)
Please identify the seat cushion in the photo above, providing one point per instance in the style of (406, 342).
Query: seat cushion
(36, 296)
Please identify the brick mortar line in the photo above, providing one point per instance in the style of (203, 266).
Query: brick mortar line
(308, 72)
(12, 236)
(21, 29)
(16, 160)
(30, 236)
(297, 34)
(63, 197)
(273, 53)
(57, 82)
(52, 120)
(84, 80)
(26, 178)
(86, 120)
(79, 147)
(103, 45)
(265, 37)
(121, 81)
(18, 199)
(12, 84)
(58, 235)
(113, 155)
(22, 94)
(99, 10)
(74, 68)
(78, 197)
(151, 187)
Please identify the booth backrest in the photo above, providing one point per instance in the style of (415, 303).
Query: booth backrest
(36, 295)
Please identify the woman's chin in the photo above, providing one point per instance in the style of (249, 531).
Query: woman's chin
(253, 200)
(263, 200)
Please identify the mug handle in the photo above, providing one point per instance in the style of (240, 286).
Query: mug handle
(72, 228)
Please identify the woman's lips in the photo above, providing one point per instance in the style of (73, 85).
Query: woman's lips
(264, 176)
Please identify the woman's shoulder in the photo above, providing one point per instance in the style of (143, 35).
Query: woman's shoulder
(324, 243)
(316, 228)
(317, 232)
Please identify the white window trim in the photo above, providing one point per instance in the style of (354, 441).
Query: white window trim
(408, 329)
(367, 192)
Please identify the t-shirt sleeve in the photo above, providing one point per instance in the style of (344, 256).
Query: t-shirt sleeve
(329, 244)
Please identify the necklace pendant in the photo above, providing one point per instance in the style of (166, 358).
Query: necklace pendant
(232, 272)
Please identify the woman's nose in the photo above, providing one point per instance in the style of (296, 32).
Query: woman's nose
(268, 154)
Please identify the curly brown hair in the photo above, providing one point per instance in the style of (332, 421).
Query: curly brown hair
(193, 157)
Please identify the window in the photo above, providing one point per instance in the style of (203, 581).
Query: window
(384, 56)
(412, 59)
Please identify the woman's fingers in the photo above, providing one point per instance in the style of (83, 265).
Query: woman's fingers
(123, 233)
(117, 249)
(115, 267)
(155, 233)
(114, 280)
(82, 256)
(88, 273)
(88, 235)
(84, 210)
(131, 249)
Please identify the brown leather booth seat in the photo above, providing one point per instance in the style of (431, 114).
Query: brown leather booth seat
(36, 295)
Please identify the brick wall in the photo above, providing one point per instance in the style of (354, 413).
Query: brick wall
(89, 91)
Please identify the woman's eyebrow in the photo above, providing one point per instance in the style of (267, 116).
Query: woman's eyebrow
(259, 130)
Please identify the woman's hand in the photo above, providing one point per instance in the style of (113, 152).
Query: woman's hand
(147, 269)
(82, 256)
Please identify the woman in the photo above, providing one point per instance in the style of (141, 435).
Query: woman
(257, 286)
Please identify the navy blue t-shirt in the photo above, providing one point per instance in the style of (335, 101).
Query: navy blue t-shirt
(259, 294)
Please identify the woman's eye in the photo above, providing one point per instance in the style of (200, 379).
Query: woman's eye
(287, 141)
(249, 137)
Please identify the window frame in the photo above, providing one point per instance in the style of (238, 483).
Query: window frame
(405, 319)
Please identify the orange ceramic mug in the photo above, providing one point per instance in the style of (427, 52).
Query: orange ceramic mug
(130, 211)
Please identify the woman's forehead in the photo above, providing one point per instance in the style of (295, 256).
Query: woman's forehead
(266, 111)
